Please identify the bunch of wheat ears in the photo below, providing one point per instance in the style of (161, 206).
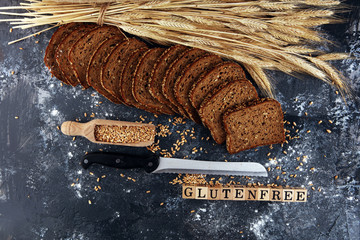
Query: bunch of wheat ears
(260, 34)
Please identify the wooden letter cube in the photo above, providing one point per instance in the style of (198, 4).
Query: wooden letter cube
(201, 192)
(288, 195)
(226, 193)
(239, 193)
(251, 194)
(263, 194)
(188, 192)
(214, 193)
(300, 195)
(276, 194)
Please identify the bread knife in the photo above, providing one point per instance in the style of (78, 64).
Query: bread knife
(154, 164)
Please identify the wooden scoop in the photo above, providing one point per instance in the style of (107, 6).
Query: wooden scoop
(112, 132)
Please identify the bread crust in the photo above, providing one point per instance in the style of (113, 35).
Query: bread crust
(63, 50)
(128, 75)
(140, 86)
(50, 54)
(257, 103)
(175, 70)
(219, 94)
(159, 72)
(190, 76)
(99, 58)
(208, 81)
(82, 51)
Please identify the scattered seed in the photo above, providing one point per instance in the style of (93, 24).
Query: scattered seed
(89, 201)
(328, 130)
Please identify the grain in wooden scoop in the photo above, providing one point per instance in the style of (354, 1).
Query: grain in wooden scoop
(112, 132)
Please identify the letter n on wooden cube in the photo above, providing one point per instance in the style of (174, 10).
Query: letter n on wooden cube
(201, 192)
(263, 194)
(251, 194)
(188, 191)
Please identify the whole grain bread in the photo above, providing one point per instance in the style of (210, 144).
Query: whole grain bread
(159, 71)
(226, 96)
(184, 83)
(82, 51)
(50, 53)
(93, 76)
(63, 50)
(175, 70)
(140, 88)
(255, 124)
(127, 77)
(112, 70)
(221, 73)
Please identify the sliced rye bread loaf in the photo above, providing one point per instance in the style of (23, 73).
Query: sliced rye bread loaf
(50, 57)
(175, 70)
(254, 124)
(82, 51)
(226, 96)
(184, 83)
(93, 75)
(128, 76)
(159, 71)
(221, 73)
(113, 68)
(63, 50)
(140, 87)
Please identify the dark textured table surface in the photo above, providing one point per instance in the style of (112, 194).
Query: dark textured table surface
(44, 192)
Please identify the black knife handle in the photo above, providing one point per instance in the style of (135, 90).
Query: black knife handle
(120, 160)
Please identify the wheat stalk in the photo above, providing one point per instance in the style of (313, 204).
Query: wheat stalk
(260, 34)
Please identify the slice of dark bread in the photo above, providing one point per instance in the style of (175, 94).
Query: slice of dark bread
(255, 124)
(82, 51)
(226, 96)
(221, 73)
(128, 76)
(112, 70)
(140, 88)
(50, 53)
(93, 75)
(159, 71)
(175, 70)
(184, 83)
(63, 50)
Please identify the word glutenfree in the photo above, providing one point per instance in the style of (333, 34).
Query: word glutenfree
(244, 193)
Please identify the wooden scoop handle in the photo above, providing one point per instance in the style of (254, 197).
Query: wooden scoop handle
(72, 128)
